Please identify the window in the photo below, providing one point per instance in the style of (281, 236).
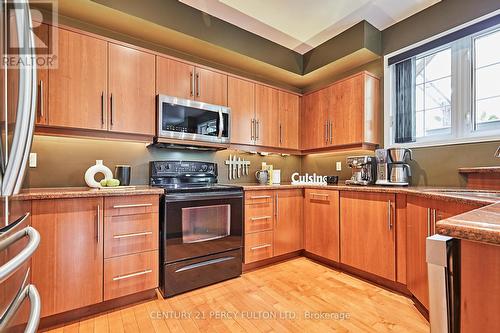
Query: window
(445, 94)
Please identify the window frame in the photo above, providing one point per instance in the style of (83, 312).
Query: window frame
(462, 104)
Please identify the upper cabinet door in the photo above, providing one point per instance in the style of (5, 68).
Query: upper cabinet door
(347, 107)
(78, 85)
(314, 120)
(288, 120)
(132, 90)
(267, 116)
(241, 100)
(174, 78)
(211, 87)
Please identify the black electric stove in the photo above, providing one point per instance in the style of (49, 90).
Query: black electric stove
(201, 226)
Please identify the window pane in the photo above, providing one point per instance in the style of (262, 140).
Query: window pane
(487, 49)
(438, 65)
(488, 81)
(419, 70)
(437, 119)
(438, 93)
(419, 97)
(420, 131)
(488, 110)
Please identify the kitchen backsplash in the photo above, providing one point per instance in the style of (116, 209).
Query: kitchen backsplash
(63, 161)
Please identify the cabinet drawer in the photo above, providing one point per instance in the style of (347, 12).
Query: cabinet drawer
(259, 197)
(259, 217)
(130, 234)
(134, 204)
(258, 246)
(130, 274)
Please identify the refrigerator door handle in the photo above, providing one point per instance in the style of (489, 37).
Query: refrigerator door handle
(26, 106)
(24, 255)
(32, 294)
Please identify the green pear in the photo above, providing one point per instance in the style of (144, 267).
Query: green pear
(103, 182)
(112, 182)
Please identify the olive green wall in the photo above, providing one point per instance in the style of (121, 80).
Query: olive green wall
(63, 161)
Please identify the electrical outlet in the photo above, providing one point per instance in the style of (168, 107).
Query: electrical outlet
(33, 160)
(339, 166)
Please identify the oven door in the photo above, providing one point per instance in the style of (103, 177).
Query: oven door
(201, 224)
(191, 120)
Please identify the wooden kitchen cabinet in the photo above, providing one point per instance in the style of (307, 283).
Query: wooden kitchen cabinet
(67, 268)
(367, 232)
(179, 79)
(345, 113)
(78, 86)
(131, 90)
(241, 100)
(288, 226)
(321, 223)
(421, 217)
(266, 116)
(288, 120)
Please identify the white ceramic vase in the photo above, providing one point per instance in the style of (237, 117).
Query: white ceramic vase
(95, 169)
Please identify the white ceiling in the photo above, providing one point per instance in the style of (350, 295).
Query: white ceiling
(301, 25)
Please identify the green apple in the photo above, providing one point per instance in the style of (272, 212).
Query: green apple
(103, 182)
(112, 182)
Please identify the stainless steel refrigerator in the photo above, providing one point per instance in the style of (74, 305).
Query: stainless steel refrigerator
(19, 300)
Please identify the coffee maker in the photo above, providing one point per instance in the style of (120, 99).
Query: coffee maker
(363, 170)
(392, 168)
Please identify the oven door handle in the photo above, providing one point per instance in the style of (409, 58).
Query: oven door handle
(198, 196)
(203, 263)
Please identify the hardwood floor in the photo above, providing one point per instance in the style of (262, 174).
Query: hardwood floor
(294, 288)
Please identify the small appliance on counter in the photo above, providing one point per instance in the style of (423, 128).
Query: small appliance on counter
(363, 170)
(391, 166)
(332, 180)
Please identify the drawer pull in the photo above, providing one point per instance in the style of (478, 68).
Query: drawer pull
(260, 218)
(204, 263)
(145, 233)
(133, 205)
(260, 247)
(128, 276)
(261, 197)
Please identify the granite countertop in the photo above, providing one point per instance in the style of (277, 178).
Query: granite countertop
(494, 169)
(82, 192)
(481, 225)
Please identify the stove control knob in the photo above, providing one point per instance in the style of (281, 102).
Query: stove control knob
(204, 167)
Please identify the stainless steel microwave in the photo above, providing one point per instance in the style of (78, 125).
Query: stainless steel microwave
(186, 119)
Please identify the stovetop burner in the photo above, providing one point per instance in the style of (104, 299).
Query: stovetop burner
(187, 176)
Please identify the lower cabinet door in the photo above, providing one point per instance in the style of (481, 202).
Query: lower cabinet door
(288, 226)
(130, 274)
(67, 268)
(367, 232)
(258, 246)
(321, 218)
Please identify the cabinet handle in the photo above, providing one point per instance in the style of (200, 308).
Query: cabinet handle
(128, 276)
(428, 222)
(198, 85)
(331, 132)
(260, 218)
(102, 108)
(98, 224)
(433, 221)
(320, 195)
(252, 125)
(326, 132)
(389, 214)
(111, 109)
(137, 234)
(261, 197)
(133, 205)
(257, 129)
(41, 99)
(276, 213)
(280, 136)
(191, 85)
(260, 247)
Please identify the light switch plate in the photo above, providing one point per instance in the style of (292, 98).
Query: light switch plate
(339, 166)
(33, 160)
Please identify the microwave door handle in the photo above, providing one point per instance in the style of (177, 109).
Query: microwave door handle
(26, 106)
(221, 123)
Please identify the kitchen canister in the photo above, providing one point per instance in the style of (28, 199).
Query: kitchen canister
(95, 169)
(122, 173)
